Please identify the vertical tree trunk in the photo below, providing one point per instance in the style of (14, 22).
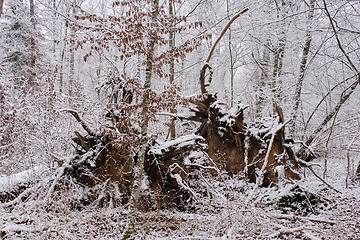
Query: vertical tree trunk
(172, 62)
(304, 59)
(279, 52)
(278, 64)
(263, 79)
(62, 63)
(54, 34)
(1, 6)
(231, 59)
(139, 168)
(72, 57)
(32, 42)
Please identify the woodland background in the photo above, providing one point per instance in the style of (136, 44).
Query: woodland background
(83, 56)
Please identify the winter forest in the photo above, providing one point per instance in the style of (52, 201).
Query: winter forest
(179, 119)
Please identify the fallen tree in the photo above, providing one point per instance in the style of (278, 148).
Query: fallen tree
(223, 143)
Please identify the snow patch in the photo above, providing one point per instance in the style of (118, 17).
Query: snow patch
(145, 184)
(11, 227)
(177, 143)
(7, 183)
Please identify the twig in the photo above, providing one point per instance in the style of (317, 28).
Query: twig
(212, 161)
(321, 179)
(293, 217)
(57, 159)
(286, 231)
(18, 198)
(338, 40)
(60, 172)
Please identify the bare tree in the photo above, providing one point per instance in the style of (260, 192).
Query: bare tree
(304, 61)
(139, 168)
(346, 93)
(172, 60)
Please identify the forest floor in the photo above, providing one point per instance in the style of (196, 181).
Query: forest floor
(221, 215)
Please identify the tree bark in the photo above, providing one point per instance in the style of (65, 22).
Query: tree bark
(279, 52)
(172, 62)
(303, 64)
(344, 95)
(139, 169)
(72, 57)
(263, 79)
(32, 41)
(231, 59)
(1, 6)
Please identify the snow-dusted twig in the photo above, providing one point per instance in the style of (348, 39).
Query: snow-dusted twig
(212, 161)
(201, 166)
(293, 217)
(321, 179)
(224, 198)
(285, 231)
(59, 173)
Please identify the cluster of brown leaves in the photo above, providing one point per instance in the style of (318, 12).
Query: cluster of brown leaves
(132, 32)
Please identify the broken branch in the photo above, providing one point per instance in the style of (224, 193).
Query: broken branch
(83, 124)
(224, 31)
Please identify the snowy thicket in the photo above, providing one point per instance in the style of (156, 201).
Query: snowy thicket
(84, 80)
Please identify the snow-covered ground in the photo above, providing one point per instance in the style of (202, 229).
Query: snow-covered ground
(221, 214)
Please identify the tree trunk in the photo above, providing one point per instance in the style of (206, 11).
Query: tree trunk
(1, 6)
(32, 42)
(263, 79)
(304, 59)
(277, 71)
(172, 62)
(139, 169)
(279, 52)
(62, 62)
(231, 59)
(72, 58)
(343, 97)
